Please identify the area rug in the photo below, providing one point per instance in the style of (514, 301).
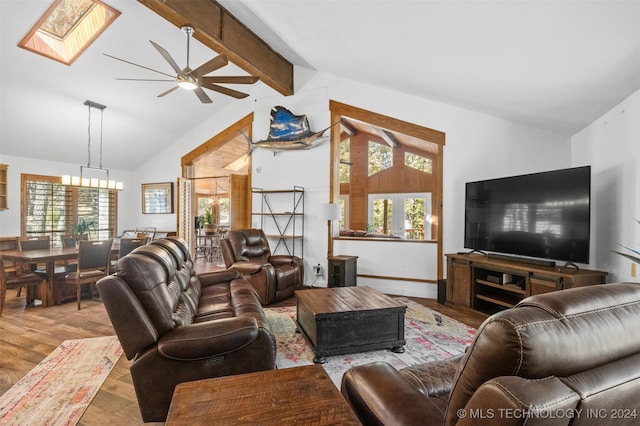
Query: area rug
(59, 389)
(430, 336)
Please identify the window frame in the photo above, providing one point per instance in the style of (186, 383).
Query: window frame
(71, 206)
(339, 111)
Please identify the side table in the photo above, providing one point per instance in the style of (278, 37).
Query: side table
(343, 271)
(291, 396)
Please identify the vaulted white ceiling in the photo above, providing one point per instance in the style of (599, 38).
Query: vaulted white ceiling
(558, 65)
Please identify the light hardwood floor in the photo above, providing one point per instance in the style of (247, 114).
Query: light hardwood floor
(29, 334)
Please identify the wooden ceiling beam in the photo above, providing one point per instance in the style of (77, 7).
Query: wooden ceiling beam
(216, 28)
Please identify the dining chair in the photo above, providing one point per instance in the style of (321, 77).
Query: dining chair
(128, 244)
(216, 249)
(33, 243)
(15, 281)
(70, 241)
(149, 231)
(93, 264)
(203, 249)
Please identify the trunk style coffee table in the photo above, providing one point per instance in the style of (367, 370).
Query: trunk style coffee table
(347, 320)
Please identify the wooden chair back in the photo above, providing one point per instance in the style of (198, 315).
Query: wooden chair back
(94, 255)
(69, 241)
(35, 243)
(94, 259)
(14, 281)
(128, 244)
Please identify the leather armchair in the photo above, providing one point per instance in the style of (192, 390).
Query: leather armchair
(567, 357)
(177, 326)
(275, 277)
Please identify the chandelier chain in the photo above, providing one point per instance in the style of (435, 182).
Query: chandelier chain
(101, 115)
(89, 138)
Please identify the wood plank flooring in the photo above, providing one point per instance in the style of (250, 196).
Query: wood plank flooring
(29, 334)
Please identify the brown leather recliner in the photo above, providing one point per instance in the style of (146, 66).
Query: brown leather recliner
(567, 357)
(177, 326)
(275, 277)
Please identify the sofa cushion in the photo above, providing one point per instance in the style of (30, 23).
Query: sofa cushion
(578, 329)
(149, 272)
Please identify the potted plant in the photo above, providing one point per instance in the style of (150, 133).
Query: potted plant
(207, 221)
(83, 227)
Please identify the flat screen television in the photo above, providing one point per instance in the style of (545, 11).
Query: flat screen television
(541, 215)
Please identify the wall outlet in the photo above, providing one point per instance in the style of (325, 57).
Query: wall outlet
(317, 270)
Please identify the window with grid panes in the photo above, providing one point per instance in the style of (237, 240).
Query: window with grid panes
(51, 208)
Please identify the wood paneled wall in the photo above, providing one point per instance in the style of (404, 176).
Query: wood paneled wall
(397, 179)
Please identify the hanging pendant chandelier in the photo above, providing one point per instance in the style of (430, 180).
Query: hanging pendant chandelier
(90, 180)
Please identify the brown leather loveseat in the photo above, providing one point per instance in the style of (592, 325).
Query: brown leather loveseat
(177, 326)
(275, 277)
(567, 357)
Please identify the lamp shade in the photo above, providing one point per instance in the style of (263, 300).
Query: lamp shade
(330, 211)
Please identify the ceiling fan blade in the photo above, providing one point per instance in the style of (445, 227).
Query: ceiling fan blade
(224, 90)
(143, 79)
(167, 57)
(168, 91)
(137, 65)
(240, 79)
(202, 96)
(210, 66)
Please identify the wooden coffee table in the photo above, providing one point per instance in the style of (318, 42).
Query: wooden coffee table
(299, 395)
(347, 320)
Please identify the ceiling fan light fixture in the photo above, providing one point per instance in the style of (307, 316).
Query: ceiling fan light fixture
(187, 82)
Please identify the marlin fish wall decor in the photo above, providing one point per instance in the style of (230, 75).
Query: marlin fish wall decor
(288, 132)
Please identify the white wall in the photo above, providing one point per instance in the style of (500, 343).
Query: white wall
(10, 219)
(611, 145)
(478, 146)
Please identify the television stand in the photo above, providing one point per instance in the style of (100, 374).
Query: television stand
(540, 262)
(490, 284)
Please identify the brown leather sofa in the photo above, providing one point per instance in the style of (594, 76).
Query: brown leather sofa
(177, 326)
(567, 357)
(275, 277)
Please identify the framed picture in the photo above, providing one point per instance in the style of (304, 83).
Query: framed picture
(157, 197)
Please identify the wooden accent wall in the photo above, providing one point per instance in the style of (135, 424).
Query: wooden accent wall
(239, 194)
(397, 179)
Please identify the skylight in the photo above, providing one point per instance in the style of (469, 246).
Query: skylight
(67, 29)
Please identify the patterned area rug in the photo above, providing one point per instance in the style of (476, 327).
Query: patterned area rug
(59, 389)
(430, 336)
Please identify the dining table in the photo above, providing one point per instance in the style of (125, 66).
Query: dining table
(49, 257)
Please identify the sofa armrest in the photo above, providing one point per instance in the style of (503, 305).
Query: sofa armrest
(262, 278)
(208, 339)
(246, 268)
(217, 277)
(283, 259)
(434, 378)
(380, 395)
(513, 400)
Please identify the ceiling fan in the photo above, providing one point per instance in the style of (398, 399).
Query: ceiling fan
(195, 80)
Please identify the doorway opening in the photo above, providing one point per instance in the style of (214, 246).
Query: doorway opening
(217, 176)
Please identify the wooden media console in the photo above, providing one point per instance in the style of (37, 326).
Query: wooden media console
(489, 284)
